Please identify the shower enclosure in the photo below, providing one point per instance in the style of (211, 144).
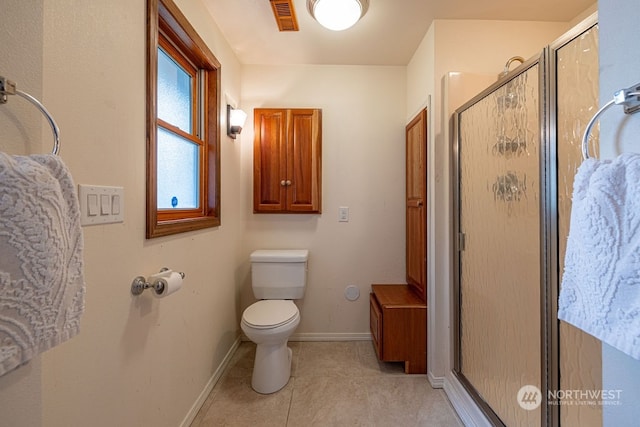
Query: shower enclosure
(514, 159)
(499, 170)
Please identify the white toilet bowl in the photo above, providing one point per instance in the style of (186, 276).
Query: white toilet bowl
(269, 324)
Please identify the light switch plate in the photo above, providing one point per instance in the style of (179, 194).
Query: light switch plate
(100, 204)
(343, 214)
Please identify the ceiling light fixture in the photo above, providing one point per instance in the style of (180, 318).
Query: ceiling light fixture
(337, 15)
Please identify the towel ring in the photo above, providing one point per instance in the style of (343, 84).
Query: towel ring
(7, 87)
(629, 97)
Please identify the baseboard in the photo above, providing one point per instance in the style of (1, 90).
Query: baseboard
(463, 404)
(191, 415)
(328, 336)
(436, 382)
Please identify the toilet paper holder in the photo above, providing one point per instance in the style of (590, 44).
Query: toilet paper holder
(140, 283)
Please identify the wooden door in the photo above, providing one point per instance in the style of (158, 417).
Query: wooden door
(416, 141)
(304, 160)
(269, 160)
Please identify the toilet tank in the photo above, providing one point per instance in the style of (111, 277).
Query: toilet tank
(279, 273)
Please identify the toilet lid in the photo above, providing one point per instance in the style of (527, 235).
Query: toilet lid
(269, 313)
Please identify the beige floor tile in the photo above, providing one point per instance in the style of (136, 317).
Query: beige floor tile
(408, 401)
(327, 359)
(332, 384)
(241, 364)
(350, 358)
(371, 365)
(236, 404)
(198, 420)
(328, 401)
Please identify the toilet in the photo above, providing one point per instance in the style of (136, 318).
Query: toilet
(277, 277)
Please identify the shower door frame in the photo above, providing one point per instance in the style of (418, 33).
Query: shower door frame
(458, 239)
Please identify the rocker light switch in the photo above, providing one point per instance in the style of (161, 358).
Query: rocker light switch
(105, 204)
(100, 204)
(92, 204)
(115, 204)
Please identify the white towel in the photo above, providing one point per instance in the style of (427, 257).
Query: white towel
(41, 271)
(600, 290)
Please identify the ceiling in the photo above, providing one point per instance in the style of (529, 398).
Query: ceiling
(388, 34)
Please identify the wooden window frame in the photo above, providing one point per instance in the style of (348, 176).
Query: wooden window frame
(165, 22)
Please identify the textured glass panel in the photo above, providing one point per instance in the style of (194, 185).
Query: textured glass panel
(178, 172)
(577, 101)
(174, 93)
(500, 265)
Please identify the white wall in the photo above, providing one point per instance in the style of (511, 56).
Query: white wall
(421, 78)
(138, 361)
(20, 133)
(363, 151)
(619, 64)
(20, 122)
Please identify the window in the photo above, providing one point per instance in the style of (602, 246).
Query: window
(183, 142)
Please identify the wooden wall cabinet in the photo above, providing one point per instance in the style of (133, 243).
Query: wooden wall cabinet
(287, 160)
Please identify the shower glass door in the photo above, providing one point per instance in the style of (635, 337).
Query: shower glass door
(499, 275)
(574, 64)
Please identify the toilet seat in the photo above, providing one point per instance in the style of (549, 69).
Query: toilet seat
(269, 314)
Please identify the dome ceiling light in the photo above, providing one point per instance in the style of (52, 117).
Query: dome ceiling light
(337, 15)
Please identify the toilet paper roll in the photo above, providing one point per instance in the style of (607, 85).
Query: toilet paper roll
(164, 286)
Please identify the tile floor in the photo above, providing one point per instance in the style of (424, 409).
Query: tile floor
(332, 384)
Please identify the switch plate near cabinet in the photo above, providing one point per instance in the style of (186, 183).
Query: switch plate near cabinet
(100, 204)
(343, 214)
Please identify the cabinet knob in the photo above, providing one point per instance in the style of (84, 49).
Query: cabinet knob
(288, 182)
(283, 183)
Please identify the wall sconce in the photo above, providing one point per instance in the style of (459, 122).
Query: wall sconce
(337, 15)
(235, 121)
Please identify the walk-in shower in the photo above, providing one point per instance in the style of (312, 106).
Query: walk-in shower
(516, 150)
(499, 183)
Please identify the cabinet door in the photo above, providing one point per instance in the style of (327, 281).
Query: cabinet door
(304, 157)
(269, 160)
(375, 324)
(416, 140)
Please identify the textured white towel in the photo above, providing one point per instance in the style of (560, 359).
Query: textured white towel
(600, 290)
(41, 271)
